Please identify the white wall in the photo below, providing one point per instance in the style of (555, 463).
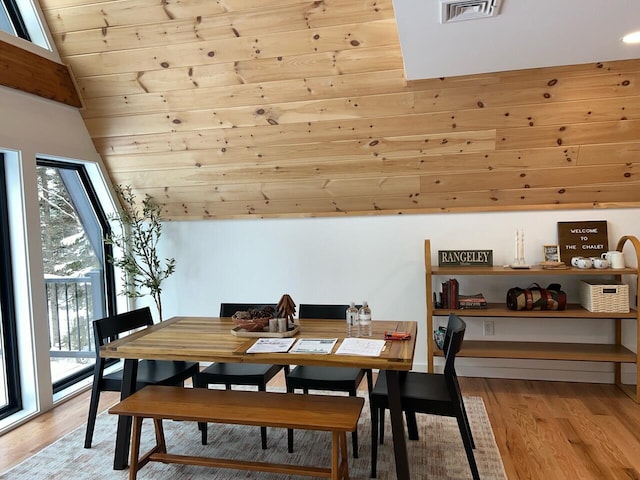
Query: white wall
(380, 259)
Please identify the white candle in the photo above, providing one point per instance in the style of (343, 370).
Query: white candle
(521, 252)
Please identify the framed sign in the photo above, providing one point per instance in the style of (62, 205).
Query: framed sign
(480, 258)
(582, 239)
(551, 253)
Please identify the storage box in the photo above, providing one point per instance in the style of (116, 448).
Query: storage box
(608, 297)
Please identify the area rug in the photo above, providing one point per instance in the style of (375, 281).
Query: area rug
(438, 455)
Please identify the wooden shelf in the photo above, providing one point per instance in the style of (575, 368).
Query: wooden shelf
(534, 270)
(501, 310)
(614, 352)
(546, 351)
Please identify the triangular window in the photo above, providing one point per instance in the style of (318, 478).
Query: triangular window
(20, 18)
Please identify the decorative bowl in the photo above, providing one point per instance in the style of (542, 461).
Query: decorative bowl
(252, 324)
(254, 319)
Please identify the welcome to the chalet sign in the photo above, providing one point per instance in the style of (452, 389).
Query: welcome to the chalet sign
(467, 258)
(582, 239)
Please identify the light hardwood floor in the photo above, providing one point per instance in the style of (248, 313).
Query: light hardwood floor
(544, 430)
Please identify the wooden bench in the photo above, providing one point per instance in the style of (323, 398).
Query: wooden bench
(335, 414)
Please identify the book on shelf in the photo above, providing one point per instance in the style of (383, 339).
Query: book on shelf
(444, 301)
(451, 298)
(472, 301)
(472, 306)
(454, 287)
(478, 297)
(449, 294)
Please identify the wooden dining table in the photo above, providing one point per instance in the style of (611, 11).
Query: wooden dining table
(210, 339)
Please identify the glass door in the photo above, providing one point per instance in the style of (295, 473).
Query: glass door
(77, 277)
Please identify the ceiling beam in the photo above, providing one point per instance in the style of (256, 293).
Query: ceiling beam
(31, 73)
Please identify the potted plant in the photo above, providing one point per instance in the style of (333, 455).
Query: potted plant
(141, 230)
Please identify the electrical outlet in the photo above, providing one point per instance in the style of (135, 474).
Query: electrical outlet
(488, 328)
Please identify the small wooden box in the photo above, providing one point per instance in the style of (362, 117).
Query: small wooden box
(609, 297)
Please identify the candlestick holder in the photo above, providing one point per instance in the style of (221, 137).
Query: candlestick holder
(518, 260)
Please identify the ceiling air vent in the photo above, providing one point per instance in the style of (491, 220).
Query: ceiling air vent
(459, 10)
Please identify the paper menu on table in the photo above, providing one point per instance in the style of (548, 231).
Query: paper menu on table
(361, 346)
(314, 345)
(271, 345)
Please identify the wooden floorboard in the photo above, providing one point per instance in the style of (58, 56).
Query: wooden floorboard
(558, 430)
(31, 437)
(544, 430)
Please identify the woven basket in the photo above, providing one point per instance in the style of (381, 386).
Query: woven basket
(609, 297)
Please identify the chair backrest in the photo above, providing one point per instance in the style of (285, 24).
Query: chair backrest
(228, 309)
(311, 310)
(453, 341)
(452, 344)
(109, 328)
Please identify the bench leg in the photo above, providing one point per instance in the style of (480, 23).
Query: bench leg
(339, 456)
(160, 443)
(137, 462)
(135, 448)
(345, 456)
(335, 457)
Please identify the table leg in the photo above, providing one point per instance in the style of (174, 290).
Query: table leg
(123, 436)
(397, 425)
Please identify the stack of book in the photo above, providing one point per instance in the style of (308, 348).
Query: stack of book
(472, 301)
(450, 297)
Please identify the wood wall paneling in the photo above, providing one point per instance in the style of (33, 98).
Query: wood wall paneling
(287, 108)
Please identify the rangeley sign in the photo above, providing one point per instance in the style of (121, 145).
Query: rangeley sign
(480, 258)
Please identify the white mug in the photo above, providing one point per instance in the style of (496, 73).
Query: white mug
(615, 259)
(574, 261)
(600, 262)
(584, 262)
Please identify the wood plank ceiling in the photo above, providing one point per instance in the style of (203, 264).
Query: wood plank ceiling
(263, 108)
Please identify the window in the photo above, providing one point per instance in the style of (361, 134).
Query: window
(78, 279)
(20, 18)
(10, 398)
(11, 20)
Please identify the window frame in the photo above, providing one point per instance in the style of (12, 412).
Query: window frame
(110, 282)
(15, 17)
(7, 305)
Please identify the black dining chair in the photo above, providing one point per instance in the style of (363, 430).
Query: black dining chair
(227, 374)
(150, 372)
(336, 379)
(430, 393)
